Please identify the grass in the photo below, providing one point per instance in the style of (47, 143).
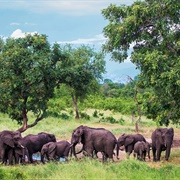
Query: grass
(86, 168)
(91, 169)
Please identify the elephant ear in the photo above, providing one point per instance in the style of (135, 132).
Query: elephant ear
(52, 147)
(129, 140)
(79, 131)
(158, 132)
(160, 136)
(8, 140)
(144, 145)
(171, 131)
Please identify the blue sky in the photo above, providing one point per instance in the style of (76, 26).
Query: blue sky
(63, 21)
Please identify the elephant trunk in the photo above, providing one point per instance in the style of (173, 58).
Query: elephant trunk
(168, 149)
(73, 150)
(80, 151)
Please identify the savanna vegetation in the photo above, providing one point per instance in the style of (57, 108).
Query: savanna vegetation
(86, 168)
(55, 88)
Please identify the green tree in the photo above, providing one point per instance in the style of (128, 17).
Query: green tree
(81, 71)
(28, 78)
(151, 28)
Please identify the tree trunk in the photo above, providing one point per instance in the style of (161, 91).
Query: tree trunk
(75, 106)
(137, 127)
(25, 119)
(133, 117)
(25, 126)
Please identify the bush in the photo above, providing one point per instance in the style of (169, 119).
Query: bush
(64, 116)
(121, 121)
(95, 114)
(84, 116)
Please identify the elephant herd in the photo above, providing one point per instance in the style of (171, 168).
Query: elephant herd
(14, 148)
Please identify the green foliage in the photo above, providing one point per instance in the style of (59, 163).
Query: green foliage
(81, 71)
(12, 173)
(28, 77)
(152, 28)
(81, 68)
(112, 120)
(95, 113)
(84, 116)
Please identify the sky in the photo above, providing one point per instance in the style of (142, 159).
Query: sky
(64, 21)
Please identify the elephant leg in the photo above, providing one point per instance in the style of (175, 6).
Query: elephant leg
(104, 157)
(158, 154)
(4, 156)
(89, 150)
(10, 156)
(30, 157)
(95, 154)
(128, 151)
(154, 154)
(141, 155)
(144, 156)
(149, 154)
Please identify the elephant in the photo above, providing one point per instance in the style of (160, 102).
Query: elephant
(94, 140)
(17, 154)
(34, 142)
(128, 142)
(162, 139)
(55, 150)
(140, 149)
(8, 141)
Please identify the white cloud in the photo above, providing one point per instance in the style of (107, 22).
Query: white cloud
(29, 24)
(19, 34)
(14, 24)
(18, 24)
(98, 39)
(70, 7)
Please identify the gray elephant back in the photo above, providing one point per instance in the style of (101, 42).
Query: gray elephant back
(99, 133)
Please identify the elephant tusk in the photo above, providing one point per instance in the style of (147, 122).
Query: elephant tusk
(22, 146)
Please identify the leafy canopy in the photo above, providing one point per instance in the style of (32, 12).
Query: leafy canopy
(151, 31)
(81, 71)
(80, 68)
(28, 78)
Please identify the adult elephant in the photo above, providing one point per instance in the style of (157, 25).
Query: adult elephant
(94, 140)
(128, 142)
(162, 139)
(34, 142)
(55, 150)
(8, 141)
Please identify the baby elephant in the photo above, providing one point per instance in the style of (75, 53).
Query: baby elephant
(140, 149)
(55, 150)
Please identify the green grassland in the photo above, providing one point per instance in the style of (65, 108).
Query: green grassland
(87, 168)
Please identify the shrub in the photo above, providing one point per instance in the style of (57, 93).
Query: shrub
(64, 116)
(84, 116)
(95, 113)
(121, 121)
